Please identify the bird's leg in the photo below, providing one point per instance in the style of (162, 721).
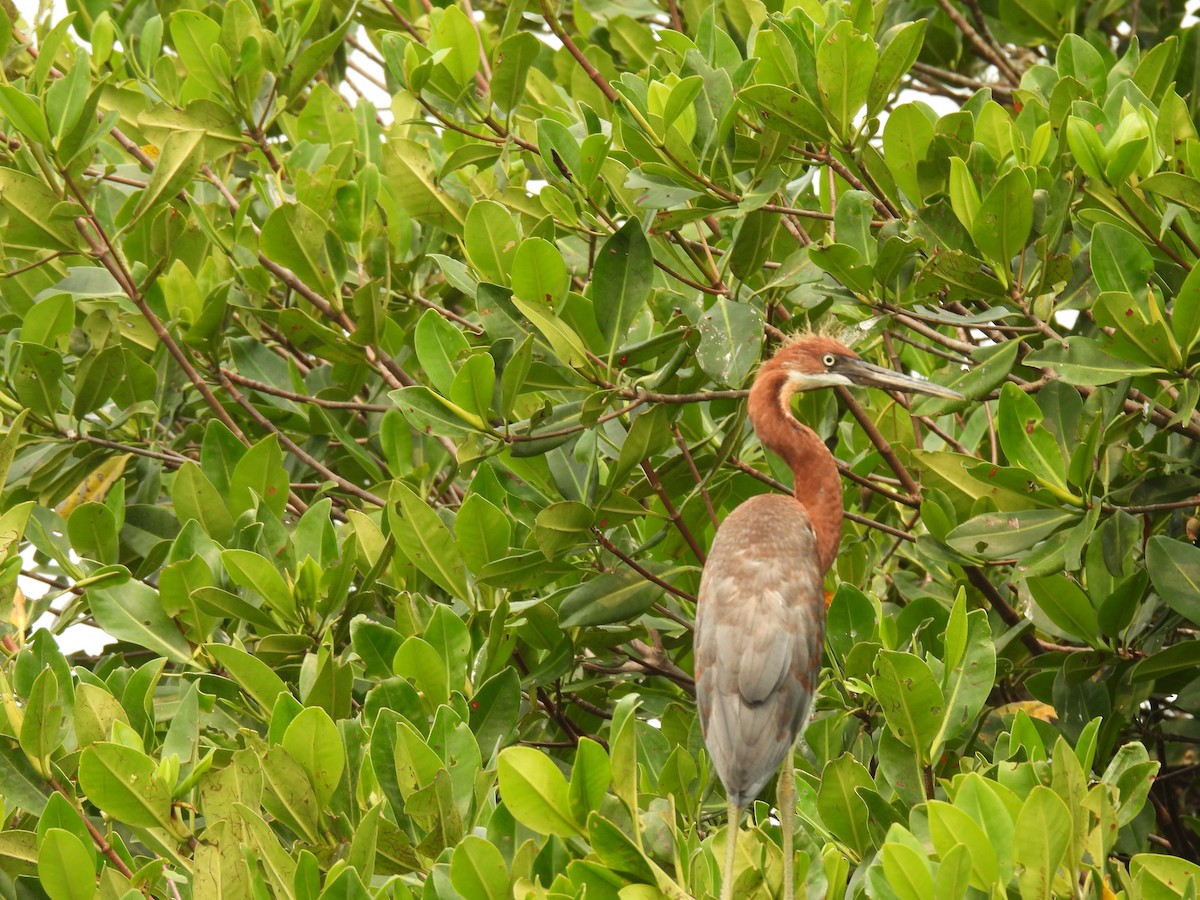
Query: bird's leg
(731, 836)
(785, 795)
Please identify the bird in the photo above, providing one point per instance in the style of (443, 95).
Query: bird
(760, 619)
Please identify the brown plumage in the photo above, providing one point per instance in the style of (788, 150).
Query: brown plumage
(760, 624)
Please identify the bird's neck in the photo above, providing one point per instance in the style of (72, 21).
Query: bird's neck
(818, 485)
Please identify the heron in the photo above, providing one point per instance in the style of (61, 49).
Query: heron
(760, 622)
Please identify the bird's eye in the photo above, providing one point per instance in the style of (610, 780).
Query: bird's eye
(828, 360)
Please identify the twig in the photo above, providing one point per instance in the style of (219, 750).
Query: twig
(633, 564)
(652, 477)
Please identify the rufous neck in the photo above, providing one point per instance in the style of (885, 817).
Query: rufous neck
(818, 485)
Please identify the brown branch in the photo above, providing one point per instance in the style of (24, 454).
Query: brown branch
(103, 252)
(686, 453)
(673, 512)
(265, 388)
(881, 443)
(982, 47)
(315, 464)
(1010, 616)
(950, 77)
(633, 564)
(98, 839)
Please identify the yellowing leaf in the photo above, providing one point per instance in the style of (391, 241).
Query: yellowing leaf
(94, 488)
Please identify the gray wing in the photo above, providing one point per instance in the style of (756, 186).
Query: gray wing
(759, 634)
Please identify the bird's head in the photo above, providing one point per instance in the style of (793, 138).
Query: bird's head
(816, 361)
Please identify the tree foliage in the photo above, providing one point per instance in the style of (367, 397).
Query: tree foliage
(386, 440)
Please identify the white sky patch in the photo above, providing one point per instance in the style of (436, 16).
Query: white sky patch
(86, 638)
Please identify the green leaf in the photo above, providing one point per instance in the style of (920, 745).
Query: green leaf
(295, 237)
(1120, 262)
(623, 273)
(1174, 568)
(964, 197)
(1066, 606)
(491, 239)
(260, 473)
(951, 827)
(1185, 315)
(495, 709)
(41, 729)
(456, 33)
(65, 867)
(477, 869)
(37, 217)
(1086, 147)
(21, 784)
(414, 186)
(900, 46)
(1000, 535)
(312, 740)
(539, 275)
(911, 700)
(92, 529)
(67, 98)
(195, 497)
(845, 68)
(842, 809)
(591, 776)
(430, 413)
(121, 781)
(448, 636)
(38, 379)
(132, 612)
(513, 58)
(1182, 657)
(426, 541)
(1081, 360)
(607, 599)
(561, 526)
(24, 113)
(474, 385)
(98, 375)
(483, 532)
(1005, 218)
(253, 675)
(565, 343)
(730, 341)
(968, 678)
(1166, 877)
(1176, 187)
(1040, 841)
(194, 35)
(907, 135)
(1024, 441)
(907, 871)
(783, 110)
(178, 162)
(440, 347)
(416, 659)
(992, 367)
(535, 792)
(248, 569)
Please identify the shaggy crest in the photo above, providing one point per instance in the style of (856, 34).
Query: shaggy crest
(830, 328)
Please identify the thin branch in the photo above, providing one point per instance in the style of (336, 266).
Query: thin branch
(982, 47)
(1009, 615)
(673, 512)
(109, 261)
(644, 572)
(265, 388)
(686, 453)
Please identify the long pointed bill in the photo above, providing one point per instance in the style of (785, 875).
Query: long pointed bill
(868, 375)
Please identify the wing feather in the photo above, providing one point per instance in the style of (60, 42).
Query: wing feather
(759, 636)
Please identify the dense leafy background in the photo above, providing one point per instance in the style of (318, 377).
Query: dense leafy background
(386, 440)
